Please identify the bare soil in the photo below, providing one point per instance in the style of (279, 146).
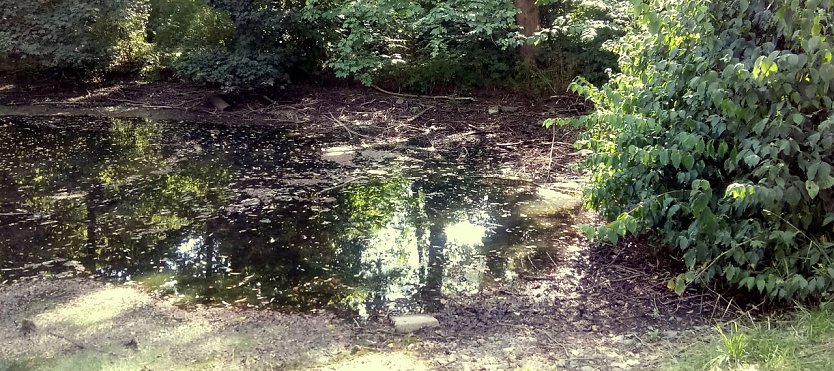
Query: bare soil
(601, 307)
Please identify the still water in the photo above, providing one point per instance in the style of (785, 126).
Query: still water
(259, 216)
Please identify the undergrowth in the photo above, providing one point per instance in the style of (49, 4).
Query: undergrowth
(803, 341)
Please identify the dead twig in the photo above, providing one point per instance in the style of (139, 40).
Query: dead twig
(412, 118)
(349, 131)
(552, 144)
(402, 95)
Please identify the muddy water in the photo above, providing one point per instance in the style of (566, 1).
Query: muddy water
(256, 216)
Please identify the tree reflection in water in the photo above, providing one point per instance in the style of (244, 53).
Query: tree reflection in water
(249, 216)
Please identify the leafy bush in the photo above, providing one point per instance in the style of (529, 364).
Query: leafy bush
(465, 44)
(270, 43)
(234, 69)
(73, 34)
(448, 42)
(181, 25)
(581, 30)
(718, 139)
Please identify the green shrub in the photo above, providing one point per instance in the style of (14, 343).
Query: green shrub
(420, 45)
(718, 139)
(182, 25)
(270, 43)
(98, 36)
(233, 69)
(581, 30)
(186, 28)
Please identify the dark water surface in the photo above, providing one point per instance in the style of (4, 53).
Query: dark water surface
(256, 216)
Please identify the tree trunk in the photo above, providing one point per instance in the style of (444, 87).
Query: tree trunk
(529, 20)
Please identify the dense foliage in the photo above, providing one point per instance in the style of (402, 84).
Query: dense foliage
(177, 25)
(423, 46)
(419, 43)
(576, 36)
(718, 139)
(464, 44)
(73, 34)
(270, 43)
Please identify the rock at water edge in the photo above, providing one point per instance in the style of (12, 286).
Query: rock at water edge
(413, 322)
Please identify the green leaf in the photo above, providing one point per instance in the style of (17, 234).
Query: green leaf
(672, 210)
(760, 283)
(812, 188)
(752, 159)
(748, 282)
(676, 159)
(797, 118)
(813, 43)
(827, 73)
(811, 170)
(663, 157)
(690, 258)
(612, 236)
(677, 284)
(588, 230)
(730, 272)
(723, 148)
(683, 242)
(688, 161)
(793, 195)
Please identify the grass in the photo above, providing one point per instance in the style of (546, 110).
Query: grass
(802, 341)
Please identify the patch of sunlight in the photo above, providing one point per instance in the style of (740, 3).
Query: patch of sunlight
(380, 361)
(342, 155)
(465, 263)
(393, 253)
(550, 202)
(162, 347)
(465, 234)
(189, 249)
(98, 93)
(96, 307)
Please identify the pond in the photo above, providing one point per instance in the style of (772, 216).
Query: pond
(259, 216)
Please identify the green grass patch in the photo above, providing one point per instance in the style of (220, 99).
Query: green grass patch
(802, 341)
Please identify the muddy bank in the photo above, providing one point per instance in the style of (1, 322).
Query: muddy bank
(110, 111)
(84, 324)
(501, 126)
(555, 321)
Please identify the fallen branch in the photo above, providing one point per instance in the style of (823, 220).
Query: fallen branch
(402, 95)
(412, 118)
(349, 131)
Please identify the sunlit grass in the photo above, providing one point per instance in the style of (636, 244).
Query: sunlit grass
(94, 308)
(804, 341)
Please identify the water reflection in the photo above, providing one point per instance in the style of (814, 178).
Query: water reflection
(251, 216)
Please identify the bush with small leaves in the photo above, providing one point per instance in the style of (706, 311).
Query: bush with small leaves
(718, 139)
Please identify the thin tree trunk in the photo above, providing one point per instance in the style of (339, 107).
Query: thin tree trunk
(529, 20)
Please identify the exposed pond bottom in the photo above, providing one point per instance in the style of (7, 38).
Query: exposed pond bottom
(254, 216)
